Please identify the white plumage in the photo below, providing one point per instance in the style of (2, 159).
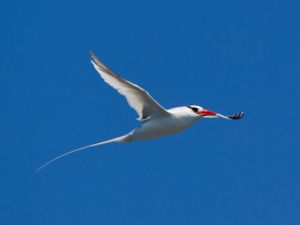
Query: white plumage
(139, 99)
(156, 120)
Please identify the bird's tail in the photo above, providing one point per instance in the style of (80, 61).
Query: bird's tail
(118, 139)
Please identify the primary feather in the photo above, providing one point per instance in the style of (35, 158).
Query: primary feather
(139, 99)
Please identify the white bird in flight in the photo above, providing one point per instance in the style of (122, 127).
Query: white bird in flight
(156, 120)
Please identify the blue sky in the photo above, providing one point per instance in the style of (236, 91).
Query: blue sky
(225, 56)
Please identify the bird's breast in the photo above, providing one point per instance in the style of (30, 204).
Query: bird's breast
(161, 126)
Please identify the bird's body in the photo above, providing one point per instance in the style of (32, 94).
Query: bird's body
(176, 120)
(156, 120)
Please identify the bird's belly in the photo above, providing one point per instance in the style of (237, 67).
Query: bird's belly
(158, 128)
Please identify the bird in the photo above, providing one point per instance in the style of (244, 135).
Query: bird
(156, 121)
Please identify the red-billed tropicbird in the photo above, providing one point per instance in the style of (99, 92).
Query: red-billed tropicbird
(156, 120)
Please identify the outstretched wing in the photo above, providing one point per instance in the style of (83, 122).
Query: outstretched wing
(236, 116)
(138, 98)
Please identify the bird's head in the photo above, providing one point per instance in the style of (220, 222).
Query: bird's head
(206, 113)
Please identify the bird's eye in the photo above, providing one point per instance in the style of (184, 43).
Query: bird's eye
(195, 110)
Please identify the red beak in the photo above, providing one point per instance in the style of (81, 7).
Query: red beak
(206, 112)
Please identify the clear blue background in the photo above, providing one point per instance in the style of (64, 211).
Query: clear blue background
(227, 56)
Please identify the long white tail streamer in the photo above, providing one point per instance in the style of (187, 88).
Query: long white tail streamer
(118, 139)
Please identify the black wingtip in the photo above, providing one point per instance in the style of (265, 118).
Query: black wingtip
(92, 55)
(236, 116)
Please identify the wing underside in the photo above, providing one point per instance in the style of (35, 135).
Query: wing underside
(138, 98)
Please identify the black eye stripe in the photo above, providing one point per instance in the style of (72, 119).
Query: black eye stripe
(193, 108)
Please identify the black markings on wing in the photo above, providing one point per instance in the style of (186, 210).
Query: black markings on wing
(236, 116)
